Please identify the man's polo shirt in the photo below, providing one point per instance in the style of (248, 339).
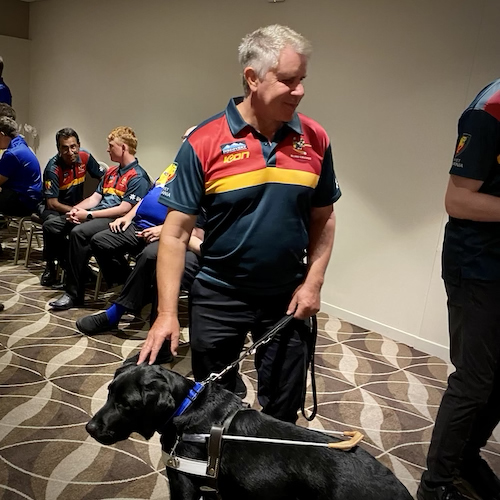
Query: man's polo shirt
(66, 182)
(5, 95)
(129, 183)
(472, 249)
(258, 197)
(20, 165)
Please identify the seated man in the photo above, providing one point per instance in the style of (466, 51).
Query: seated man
(20, 178)
(122, 186)
(63, 180)
(137, 232)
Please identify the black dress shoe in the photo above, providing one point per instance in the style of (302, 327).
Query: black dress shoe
(48, 277)
(64, 302)
(443, 492)
(95, 323)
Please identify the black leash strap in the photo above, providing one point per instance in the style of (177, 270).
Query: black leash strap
(312, 344)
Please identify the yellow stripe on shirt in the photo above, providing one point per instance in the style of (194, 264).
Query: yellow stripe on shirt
(74, 182)
(262, 176)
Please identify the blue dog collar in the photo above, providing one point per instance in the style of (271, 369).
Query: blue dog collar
(193, 394)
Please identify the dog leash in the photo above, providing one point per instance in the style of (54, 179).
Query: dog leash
(252, 349)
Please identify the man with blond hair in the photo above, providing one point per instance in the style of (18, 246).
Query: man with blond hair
(264, 174)
(122, 187)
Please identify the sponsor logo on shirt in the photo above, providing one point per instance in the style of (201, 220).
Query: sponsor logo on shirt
(167, 175)
(463, 142)
(233, 147)
(236, 156)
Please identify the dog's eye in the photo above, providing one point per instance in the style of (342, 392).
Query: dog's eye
(125, 406)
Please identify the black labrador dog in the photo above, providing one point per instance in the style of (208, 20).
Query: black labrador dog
(143, 398)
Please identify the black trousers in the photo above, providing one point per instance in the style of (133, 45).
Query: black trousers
(140, 283)
(191, 268)
(470, 408)
(109, 249)
(10, 204)
(219, 322)
(79, 250)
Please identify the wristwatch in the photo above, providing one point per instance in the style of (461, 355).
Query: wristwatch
(90, 216)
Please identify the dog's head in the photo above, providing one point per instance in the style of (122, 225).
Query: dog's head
(141, 398)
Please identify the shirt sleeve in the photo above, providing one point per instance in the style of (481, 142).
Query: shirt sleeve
(8, 163)
(327, 191)
(185, 187)
(137, 188)
(50, 183)
(94, 169)
(476, 147)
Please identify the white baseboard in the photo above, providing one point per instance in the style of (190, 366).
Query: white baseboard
(409, 339)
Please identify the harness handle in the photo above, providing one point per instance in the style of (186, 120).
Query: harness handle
(348, 444)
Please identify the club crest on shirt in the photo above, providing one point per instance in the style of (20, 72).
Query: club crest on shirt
(298, 145)
(48, 184)
(167, 175)
(463, 142)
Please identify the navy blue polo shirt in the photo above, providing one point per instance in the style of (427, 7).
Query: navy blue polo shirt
(66, 182)
(20, 165)
(128, 183)
(257, 195)
(471, 249)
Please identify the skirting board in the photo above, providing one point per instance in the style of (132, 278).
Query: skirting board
(393, 333)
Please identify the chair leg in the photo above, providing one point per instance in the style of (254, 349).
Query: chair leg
(98, 284)
(30, 239)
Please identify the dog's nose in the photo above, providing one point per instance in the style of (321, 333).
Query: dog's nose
(91, 427)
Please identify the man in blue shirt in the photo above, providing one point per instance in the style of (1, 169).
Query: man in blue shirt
(20, 177)
(5, 95)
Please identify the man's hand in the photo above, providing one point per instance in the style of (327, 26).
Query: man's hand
(76, 215)
(150, 234)
(305, 301)
(166, 326)
(119, 225)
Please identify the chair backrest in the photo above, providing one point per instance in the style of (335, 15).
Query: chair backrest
(90, 183)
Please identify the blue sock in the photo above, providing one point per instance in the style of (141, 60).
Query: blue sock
(114, 313)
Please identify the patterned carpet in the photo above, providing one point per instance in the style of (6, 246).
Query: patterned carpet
(52, 379)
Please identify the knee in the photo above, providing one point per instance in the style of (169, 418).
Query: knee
(96, 243)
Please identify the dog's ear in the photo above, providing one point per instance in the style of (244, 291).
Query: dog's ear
(157, 391)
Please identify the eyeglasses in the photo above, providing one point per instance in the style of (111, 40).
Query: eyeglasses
(66, 149)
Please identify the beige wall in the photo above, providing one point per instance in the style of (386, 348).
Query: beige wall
(14, 18)
(388, 80)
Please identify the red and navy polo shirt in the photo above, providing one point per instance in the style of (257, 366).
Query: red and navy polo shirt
(66, 182)
(472, 248)
(258, 197)
(129, 183)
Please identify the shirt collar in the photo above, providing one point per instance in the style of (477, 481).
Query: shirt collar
(128, 167)
(237, 124)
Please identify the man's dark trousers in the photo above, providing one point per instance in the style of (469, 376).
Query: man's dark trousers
(110, 249)
(470, 409)
(219, 322)
(80, 253)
